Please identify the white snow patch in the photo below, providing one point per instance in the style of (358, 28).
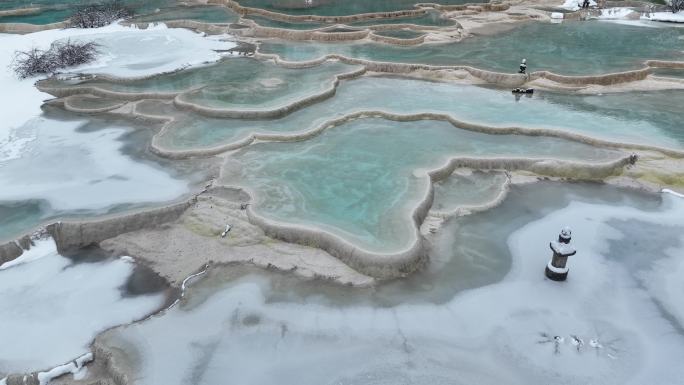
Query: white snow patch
(575, 5)
(615, 13)
(665, 16)
(557, 15)
(523, 330)
(74, 367)
(41, 248)
(52, 308)
(668, 191)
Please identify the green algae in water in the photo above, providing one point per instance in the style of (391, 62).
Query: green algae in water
(616, 122)
(573, 48)
(339, 7)
(357, 180)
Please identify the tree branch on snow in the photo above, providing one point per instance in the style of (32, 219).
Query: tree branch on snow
(60, 55)
(99, 15)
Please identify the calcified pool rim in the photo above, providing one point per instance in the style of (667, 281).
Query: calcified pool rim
(490, 77)
(177, 97)
(419, 10)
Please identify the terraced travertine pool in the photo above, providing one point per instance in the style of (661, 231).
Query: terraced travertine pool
(420, 203)
(570, 48)
(48, 11)
(362, 179)
(430, 18)
(233, 83)
(337, 7)
(596, 116)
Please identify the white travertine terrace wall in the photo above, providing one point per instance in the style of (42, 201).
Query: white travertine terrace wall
(22, 28)
(76, 234)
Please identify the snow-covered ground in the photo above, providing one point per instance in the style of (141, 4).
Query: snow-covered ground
(51, 308)
(125, 51)
(610, 323)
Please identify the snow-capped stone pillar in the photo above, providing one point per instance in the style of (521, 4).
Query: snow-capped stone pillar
(556, 269)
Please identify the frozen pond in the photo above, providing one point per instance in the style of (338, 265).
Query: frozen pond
(53, 306)
(73, 167)
(614, 325)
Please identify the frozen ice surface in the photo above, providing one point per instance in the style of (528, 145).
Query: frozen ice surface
(599, 327)
(74, 169)
(156, 49)
(52, 308)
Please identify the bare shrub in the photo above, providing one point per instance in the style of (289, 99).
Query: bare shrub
(99, 15)
(60, 55)
(675, 5)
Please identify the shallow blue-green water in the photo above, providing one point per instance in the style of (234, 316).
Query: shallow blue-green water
(431, 18)
(572, 48)
(339, 7)
(612, 116)
(357, 179)
(234, 82)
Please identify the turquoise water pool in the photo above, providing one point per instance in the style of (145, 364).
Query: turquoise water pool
(606, 116)
(357, 179)
(571, 48)
(338, 7)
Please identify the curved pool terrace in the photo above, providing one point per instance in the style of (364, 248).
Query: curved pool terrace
(569, 48)
(361, 180)
(338, 7)
(598, 116)
(232, 84)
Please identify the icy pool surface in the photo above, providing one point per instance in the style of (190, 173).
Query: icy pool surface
(602, 326)
(52, 306)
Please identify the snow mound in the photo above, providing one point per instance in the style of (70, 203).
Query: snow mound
(665, 16)
(575, 5)
(615, 13)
